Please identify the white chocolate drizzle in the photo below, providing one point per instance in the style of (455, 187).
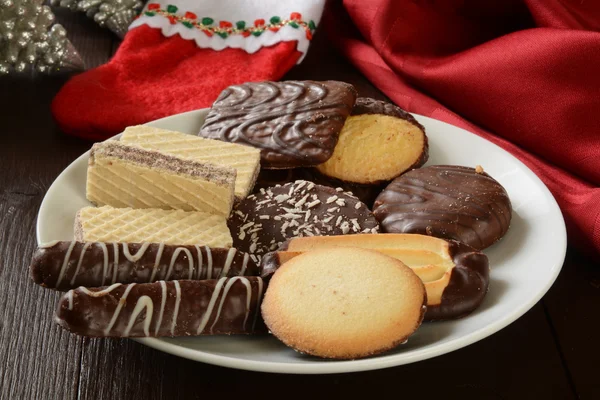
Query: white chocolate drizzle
(163, 300)
(176, 311)
(209, 263)
(137, 256)
(83, 250)
(228, 286)
(115, 262)
(122, 301)
(99, 293)
(199, 252)
(228, 261)
(144, 302)
(105, 264)
(244, 264)
(159, 252)
(174, 258)
(211, 305)
(65, 263)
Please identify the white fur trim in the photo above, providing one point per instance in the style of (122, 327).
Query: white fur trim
(237, 10)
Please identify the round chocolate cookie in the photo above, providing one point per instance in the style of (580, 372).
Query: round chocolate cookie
(272, 177)
(446, 201)
(262, 221)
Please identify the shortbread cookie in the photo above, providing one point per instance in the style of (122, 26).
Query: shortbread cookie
(343, 303)
(446, 201)
(378, 143)
(176, 308)
(129, 176)
(456, 276)
(67, 265)
(294, 123)
(244, 159)
(262, 221)
(127, 225)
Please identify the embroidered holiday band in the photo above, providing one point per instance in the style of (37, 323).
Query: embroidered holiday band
(225, 28)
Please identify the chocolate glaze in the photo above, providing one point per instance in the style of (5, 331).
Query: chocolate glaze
(469, 282)
(446, 201)
(261, 222)
(66, 265)
(466, 289)
(367, 105)
(295, 123)
(176, 308)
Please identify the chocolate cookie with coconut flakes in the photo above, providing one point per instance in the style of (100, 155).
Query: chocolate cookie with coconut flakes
(262, 221)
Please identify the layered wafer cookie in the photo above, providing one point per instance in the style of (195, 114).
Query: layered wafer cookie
(455, 275)
(120, 175)
(128, 225)
(176, 308)
(68, 265)
(244, 159)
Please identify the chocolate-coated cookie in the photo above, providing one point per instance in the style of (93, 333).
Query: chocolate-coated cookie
(294, 123)
(262, 221)
(446, 201)
(272, 177)
(379, 142)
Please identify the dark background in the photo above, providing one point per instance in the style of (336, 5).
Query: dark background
(551, 352)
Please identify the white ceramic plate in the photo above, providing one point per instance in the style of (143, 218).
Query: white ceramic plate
(524, 263)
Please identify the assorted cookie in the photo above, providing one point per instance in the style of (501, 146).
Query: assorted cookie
(189, 234)
(320, 303)
(447, 201)
(294, 123)
(379, 142)
(262, 221)
(176, 308)
(455, 275)
(121, 175)
(244, 159)
(67, 265)
(129, 225)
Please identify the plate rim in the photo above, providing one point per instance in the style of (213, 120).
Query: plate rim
(346, 366)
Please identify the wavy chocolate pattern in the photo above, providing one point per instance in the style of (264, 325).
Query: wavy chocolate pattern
(295, 123)
(446, 201)
(176, 308)
(67, 265)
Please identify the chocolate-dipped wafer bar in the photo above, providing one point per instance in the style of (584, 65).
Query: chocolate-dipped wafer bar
(67, 265)
(176, 308)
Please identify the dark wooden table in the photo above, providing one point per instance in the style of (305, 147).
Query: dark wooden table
(552, 352)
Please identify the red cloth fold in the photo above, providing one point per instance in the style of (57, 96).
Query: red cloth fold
(524, 74)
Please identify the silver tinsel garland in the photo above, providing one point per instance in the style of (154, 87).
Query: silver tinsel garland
(29, 39)
(116, 15)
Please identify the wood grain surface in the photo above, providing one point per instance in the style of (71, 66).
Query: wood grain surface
(549, 353)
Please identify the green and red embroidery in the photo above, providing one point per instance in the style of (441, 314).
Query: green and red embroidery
(226, 28)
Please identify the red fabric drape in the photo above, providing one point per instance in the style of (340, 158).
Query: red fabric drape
(524, 74)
